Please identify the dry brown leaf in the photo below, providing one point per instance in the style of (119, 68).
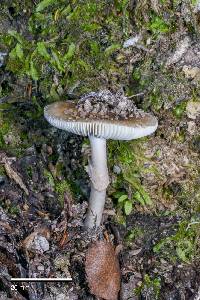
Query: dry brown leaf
(42, 231)
(102, 270)
(13, 175)
(5, 225)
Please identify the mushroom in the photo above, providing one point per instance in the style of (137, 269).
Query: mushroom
(98, 128)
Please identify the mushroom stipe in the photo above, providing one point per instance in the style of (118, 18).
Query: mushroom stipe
(99, 128)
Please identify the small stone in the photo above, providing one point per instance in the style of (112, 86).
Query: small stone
(193, 109)
(40, 244)
(2, 58)
(116, 169)
(132, 41)
(191, 127)
(40, 268)
(191, 72)
(181, 48)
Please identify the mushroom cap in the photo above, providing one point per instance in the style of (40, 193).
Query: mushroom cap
(64, 115)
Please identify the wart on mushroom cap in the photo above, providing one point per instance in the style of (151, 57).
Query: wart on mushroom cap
(100, 116)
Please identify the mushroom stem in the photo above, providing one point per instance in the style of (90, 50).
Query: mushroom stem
(98, 172)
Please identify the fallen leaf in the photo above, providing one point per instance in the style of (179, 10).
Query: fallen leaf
(37, 240)
(13, 175)
(5, 225)
(64, 239)
(102, 270)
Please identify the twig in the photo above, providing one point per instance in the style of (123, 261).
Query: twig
(136, 95)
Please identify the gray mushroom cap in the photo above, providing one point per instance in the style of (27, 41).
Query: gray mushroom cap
(64, 115)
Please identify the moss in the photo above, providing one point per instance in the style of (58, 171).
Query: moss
(158, 25)
(133, 235)
(150, 16)
(194, 2)
(49, 178)
(9, 134)
(4, 130)
(2, 170)
(179, 110)
(61, 188)
(29, 172)
(67, 32)
(188, 204)
(150, 288)
(14, 210)
(183, 245)
(131, 159)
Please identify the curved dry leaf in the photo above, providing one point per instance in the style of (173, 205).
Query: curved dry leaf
(15, 176)
(37, 240)
(102, 270)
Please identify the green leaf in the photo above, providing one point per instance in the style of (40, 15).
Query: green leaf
(66, 10)
(146, 198)
(128, 206)
(94, 48)
(33, 71)
(54, 94)
(27, 64)
(57, 61)
(137, 196)
(91, 27)
(122, 198)
(157, 248)
(112, 49)
(13, 53)
(181, 254)
(16, 35)
(42, 50)
(141, 195)
(125, 3)
(44, 4)
(70, 52)
(117, 194)
(19, 51)
(158, 25)
(84, 65)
